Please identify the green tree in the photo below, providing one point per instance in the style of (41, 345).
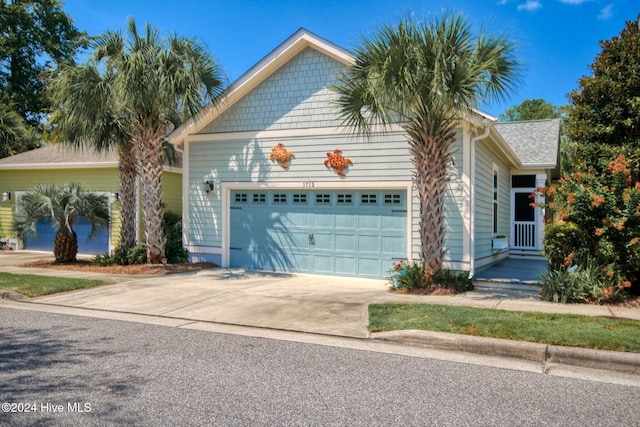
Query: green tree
(531, 109)
(86, 116)
(156, 83)
(36, 36)
(426, 76)
(62, 205)
(605, 113)
(12, 131)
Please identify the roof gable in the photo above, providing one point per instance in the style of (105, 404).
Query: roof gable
(535, 142)
(260, 72)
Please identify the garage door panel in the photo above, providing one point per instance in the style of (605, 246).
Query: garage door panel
(368, 222)
(353, 233)
(392, 244)
(368, 244)
(347, 221)
(345, 243)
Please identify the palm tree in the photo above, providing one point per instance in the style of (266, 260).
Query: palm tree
(87, 116)
(427, 77)
(62, 205)
(155, 82)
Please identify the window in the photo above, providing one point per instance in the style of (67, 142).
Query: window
(280, 198)
(323, 198)
(345, 199)
(523, 181)
(300, 198)
(368, 199)
(391, 199)
(495, 199)
(259, 198)
(241, 197)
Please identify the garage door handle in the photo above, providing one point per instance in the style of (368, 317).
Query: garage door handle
(312, 240)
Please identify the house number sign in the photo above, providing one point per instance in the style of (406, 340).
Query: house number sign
(308, 184)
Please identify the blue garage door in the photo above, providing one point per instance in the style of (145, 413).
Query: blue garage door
(347, 233)
(46, 234)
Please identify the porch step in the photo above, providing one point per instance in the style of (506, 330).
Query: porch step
(510, 284)
(525, 254)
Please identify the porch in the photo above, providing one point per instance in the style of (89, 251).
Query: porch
(512, 273)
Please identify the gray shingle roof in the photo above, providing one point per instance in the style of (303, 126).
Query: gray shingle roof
(535, 142)
(57, 154)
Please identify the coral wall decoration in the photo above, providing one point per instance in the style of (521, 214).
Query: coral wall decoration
(281, 155)
(337, 161)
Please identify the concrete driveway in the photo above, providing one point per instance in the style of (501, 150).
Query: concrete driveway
(308, 303)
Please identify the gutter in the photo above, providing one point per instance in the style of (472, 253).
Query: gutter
(472, 247)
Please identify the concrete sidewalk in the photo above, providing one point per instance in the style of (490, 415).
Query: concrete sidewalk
(326, 305)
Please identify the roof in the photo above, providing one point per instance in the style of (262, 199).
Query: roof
(535, 142)
(59, 156)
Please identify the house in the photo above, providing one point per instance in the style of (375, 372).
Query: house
(260, 191)
(98, 172)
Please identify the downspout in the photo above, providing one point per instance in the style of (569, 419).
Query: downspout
(185, 193)
(472, 247)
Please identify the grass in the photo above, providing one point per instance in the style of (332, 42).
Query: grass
(33, 285)
(557, 329)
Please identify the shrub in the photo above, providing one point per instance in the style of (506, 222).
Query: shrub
(566, 244)
(413, 275)
(408, 275)
(582, 284)
(460, 281)
(599, 216)
(174, 251)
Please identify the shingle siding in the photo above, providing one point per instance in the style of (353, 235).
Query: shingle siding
(297, 96)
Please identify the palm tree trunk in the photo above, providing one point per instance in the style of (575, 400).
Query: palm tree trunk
(65, 246)
(149, 156)
(128, 174)
(431, 158)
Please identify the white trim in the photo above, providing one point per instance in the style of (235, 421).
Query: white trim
(199, 249)
(286, 133)
(227, 187)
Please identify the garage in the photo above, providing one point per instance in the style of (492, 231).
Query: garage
(99, 244)
(335, 232)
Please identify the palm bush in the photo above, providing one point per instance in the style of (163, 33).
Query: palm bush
(61, 205)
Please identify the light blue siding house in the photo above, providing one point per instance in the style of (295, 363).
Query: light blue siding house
(243, 208)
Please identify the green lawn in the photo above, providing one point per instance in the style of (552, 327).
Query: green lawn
(33, 285)
(557, 329)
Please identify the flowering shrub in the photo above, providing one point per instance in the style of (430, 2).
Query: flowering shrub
(598, 217)
(413, 275)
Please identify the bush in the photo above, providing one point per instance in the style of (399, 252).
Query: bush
(174, 251)
(566, 244)
(134, 255)
(408, 275)
(413, 275)
(583, 284)
(460, 281)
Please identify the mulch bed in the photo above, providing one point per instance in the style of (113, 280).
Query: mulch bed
(140, 269)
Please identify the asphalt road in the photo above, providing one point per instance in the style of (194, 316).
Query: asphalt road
(68, 370)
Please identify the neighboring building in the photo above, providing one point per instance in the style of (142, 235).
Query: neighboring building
(242, 208)
(98, 172)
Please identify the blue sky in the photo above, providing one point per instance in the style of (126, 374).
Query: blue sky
(556, 39)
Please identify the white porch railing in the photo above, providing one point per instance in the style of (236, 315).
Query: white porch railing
(524, 235)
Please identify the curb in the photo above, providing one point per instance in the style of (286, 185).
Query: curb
(15, 296)
(623, 362)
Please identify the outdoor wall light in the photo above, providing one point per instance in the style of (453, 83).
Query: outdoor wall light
(208, 186)
(116, 195)
(6, 196)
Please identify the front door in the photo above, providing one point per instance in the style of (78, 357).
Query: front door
(524, 234)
